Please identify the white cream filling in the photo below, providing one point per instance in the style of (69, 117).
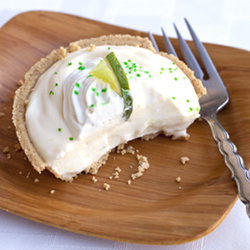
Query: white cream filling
(73, 119)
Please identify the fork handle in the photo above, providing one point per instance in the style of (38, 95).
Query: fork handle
(240, 174)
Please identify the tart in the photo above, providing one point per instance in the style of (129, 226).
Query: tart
(79, 102)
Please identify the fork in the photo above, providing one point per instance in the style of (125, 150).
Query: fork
(211, 103)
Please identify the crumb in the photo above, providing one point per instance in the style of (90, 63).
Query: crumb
(118, 169)
(120, 146)
(118, 151)
(6, 149)
(26, 101)
(94, 180)
(36, 180)
(91, 47)
(110, 177)
(143, 165)
(20, 172)
(137, 45)
(123, 152)
(54, 65)
(130, 150)
(115, 173)
(52, 191)
(9, 127)
(25, 158)
(200, 119)
(137, 151)
(131, 166)
(28, 175)
(2, 115)
(184, 160)
(17, 147)
(4, 108)
(129, 182)
(179, 187)
(114, 158)
(178, 179)
(106, 186)
(117, 177)
(20, 83)
(8, 156)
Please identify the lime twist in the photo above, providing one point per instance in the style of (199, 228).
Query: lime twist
(110, 71)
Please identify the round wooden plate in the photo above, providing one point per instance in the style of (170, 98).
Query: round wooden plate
(154, 209)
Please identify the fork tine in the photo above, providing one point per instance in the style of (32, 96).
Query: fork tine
(168, 44)
(153, 41)
(208, 64)
(189, 57)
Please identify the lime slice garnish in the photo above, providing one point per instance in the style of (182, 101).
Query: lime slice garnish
(103, 72)
(110, 71)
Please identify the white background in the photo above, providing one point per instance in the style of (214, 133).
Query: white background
(225, 22)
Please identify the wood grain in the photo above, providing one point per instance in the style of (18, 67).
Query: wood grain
(152, 210)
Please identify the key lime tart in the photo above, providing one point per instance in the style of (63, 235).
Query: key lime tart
(80, 102)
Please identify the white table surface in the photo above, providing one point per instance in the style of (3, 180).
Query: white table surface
(223, 22)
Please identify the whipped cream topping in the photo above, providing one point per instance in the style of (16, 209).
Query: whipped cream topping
(74, 118)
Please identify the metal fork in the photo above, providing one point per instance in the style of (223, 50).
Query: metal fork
(211, 103)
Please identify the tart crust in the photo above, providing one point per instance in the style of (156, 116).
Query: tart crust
(23, 92)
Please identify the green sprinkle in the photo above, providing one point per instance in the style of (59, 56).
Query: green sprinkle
(59, 129)
(71, 138)
(173, 63)
(191, 109)
(104, 103)
(160, 72)
(97, 93)
(70, 63)
(130, 68)
(80, 63)
(140, 70)
(77, 85)
(175, 78)
(55, 73)
(129, 72)
(104, 90)
(138, 75)
(149, 75)
(125, 63)
(175, 69)
(173, 98)
(146, 72)
(162, 68)
(108, 48)
(129, 60)
(81, 68)
(184, 77)
(88, 76)
(76, 92)
(135, 70)
(93, 89)
(170, 71)
(92, 106)
(56, 84)
(187, 100)
(169, 68)
(51, 92)
(127, 66)
(197, 109)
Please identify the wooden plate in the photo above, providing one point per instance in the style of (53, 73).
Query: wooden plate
(153, 209)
